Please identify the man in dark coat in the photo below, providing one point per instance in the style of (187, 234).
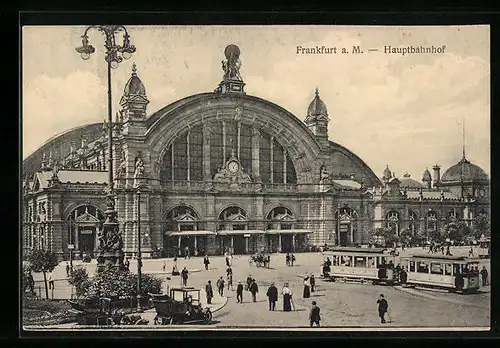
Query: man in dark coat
(382, 308)
(220, 286)
(209, 291)
(206, 262)
(239, 292)
(184, 276)
(484, 276)
(272, 294)
(287, 258)
(254, 289)
(312, 281)
(314, 317)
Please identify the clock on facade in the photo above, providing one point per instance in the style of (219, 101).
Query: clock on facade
(233, 166)
(481, 193)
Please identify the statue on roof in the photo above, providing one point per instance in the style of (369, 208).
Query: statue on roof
(232, 65)
(324, 177)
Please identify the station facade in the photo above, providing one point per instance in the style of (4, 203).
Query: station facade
(226, 171)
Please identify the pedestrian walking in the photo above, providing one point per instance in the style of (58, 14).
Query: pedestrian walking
(254, 289)
(442, 249)
(51, 280)
(403, 276)
(127, 264)
(382, 308)
(186, 253)
(228, 263)
(272, 295)
(184, 276)
(239, 292)
(448, 252)
(314, 317)
(220, 286)
(471, 252)
(312, 281)
(249, 281)
(287, 298)
(307, 288)
(67, 269)
(287, 258)
(164, 266)
(209, 291)
(484, 276)
(229, 273)
(292, 259)
(206, 262)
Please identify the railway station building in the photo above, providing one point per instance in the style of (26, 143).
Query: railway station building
(226, 171)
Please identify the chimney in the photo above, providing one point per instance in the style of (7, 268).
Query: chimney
(437, 175)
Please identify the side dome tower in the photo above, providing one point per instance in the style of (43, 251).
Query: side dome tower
(317, 118)
(134, 102)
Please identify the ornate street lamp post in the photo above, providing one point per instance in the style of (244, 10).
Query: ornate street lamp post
(110, 239)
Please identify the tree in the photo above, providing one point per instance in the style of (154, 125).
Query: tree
(481, 225)
(388, 234)
(79, 278)
(43, 261)
(406, 236)
(456, 231)
(435, 236)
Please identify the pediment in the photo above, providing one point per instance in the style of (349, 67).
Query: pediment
(86, 217)
(185, 217)
(237, 217)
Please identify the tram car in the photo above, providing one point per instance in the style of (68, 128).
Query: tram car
(453, 273)
(374, 265)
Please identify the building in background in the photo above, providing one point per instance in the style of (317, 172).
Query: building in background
(226, 171)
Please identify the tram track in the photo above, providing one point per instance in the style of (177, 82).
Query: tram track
(420, 293)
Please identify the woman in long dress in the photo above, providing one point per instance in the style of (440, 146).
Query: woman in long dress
(287, 298)
(307, 287)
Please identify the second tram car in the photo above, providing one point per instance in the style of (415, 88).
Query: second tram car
(454, 273)
(362, 264)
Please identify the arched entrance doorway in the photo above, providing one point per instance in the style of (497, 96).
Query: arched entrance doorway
(281, 220)
(84, 222)
(233, 234)
(183, 236)
(345, 224)
(392, 218)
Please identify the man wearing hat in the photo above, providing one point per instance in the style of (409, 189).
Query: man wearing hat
(239, 292)
(314, 317)
(272, 294)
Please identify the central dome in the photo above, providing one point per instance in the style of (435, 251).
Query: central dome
(464, 170)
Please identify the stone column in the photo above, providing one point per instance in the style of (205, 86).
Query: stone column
(179, 243)
(195, 246)
(173, 160)
(223, 142)
(188, 157)
(293, 242)
(232, 243)
(284, 166)
(279, 242)
(271, 158)
(246, 245)
(76, 237)
(239, 139)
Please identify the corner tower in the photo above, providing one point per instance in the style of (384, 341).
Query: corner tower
(317, 119)
(134, 103)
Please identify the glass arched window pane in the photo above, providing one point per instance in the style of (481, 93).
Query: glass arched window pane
(216, 148)
(196, 153)
(264, 158)
(246, 148)
(277, 163)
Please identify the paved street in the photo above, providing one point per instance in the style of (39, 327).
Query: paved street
(341, 304)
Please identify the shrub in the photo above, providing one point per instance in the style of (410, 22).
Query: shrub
(114, 283)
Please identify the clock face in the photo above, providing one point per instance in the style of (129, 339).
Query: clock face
(481, 193)
(233, 167)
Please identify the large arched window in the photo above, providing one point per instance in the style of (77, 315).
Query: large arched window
(392, 218)
(185, 156)
(413, 223)
(432, 220)
(280, 218)
(232, 218)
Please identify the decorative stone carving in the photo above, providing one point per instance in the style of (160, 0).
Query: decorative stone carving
(139, 167)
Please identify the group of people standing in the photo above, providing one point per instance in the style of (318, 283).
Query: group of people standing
(290, 259)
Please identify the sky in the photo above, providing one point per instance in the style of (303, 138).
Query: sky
(405, 111)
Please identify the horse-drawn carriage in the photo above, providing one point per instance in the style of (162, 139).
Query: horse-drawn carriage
(260, 260)
(181, 306)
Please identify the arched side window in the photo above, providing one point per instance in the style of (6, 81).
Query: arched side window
(280, 218)
(413, 223)
(232, 218)
(432, 220)
(392, 218)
